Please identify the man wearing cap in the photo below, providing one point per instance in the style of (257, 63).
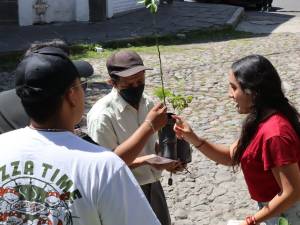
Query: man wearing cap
(92, 185)
(12, 113)
(116, 116)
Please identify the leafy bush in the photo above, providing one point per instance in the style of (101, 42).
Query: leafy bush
(179, 102)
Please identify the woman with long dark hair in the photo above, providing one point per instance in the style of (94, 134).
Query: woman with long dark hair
(268, 149)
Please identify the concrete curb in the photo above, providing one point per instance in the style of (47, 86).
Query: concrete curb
(236, 17)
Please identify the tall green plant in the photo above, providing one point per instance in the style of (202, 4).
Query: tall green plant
(178, 102)
(152, 5)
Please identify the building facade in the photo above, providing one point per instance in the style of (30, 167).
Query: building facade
(30, 12)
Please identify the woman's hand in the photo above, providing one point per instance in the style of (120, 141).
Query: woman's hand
(183, 130)
(218, 153)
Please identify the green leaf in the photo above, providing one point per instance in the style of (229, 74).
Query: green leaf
(152, 5)
(154, 2)
(189, 99)
(153, 8)
(159, 93)
(147, 3)
(283, 221)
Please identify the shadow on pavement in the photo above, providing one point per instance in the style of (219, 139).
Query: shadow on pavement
(275, 19)
(267, 22)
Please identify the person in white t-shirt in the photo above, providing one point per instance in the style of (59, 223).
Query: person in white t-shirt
(51, 176)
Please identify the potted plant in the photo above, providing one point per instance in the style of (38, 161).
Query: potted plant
(170, 146)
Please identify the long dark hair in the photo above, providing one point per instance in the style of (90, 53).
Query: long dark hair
(256, 74)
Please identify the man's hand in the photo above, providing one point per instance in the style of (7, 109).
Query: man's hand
(180, 167)
(171, 166)
(152, 160)
(139, 161)
(161, 163)
(157, 116)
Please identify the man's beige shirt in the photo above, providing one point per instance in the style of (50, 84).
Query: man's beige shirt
(112, 120)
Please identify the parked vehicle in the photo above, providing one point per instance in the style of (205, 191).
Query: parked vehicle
(258, 4)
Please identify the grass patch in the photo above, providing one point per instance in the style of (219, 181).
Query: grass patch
(200, 36)
(9, 62)
(85, 51)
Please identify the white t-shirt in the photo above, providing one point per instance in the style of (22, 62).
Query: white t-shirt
(57, 178)
(111, 121)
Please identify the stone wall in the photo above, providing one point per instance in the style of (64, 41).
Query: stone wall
(8, 11)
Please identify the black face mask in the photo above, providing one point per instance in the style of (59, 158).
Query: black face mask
(132, 95)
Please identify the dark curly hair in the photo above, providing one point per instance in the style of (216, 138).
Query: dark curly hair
(257, 74)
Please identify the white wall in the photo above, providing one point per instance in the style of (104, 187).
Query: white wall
(25, 12)
(82, 10)
(109, 8)
(58, 11)
(125, 5)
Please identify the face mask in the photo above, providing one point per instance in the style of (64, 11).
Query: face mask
(132, 95)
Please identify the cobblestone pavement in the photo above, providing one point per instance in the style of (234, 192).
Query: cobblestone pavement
(212, 193)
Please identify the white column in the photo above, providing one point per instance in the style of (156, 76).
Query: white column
(26, 12)
(110, 8)
(82, 11)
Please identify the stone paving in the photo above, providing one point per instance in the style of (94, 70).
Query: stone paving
(274, 22)
(212, 193)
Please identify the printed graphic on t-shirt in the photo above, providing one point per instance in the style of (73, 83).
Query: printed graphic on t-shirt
(36, 199)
